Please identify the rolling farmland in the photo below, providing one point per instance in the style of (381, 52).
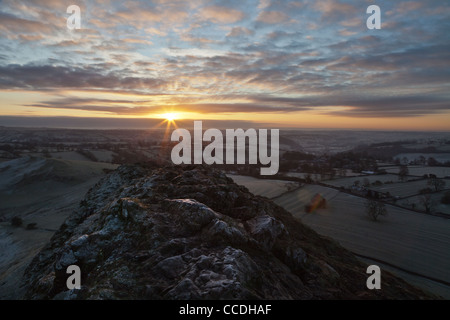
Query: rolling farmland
(419, 171)
(436, 204)
(303, 175)
(348, 182)
(412, 241)
(441, 157)
(402, 189)
(265, 188)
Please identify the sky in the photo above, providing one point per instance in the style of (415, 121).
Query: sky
(299, 64)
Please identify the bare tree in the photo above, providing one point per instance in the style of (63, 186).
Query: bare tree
(426, 202)
(438, 184)
(403, 173)
(375, 209)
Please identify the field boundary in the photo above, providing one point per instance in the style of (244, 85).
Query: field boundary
(299, 180)
(402, 269)
(287, 192)
(435, 214)
(419, 194)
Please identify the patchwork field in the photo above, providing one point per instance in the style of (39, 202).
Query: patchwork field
(419, 171)
(436, 204)
(348, 182)
(63, 155)
(103, 155)
(412, 241)
(302, 175)
(403, 189)
(295, 202)
(265, 188)
(441, 157)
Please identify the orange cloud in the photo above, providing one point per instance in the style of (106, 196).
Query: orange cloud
(222, 15)
(14, 24)
(331, 7)
(240, 31)
(272, 17)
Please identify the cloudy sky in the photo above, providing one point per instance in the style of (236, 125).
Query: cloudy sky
(284, 63)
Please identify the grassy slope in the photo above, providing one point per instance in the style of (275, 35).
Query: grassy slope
(46, 199)
(413, 241)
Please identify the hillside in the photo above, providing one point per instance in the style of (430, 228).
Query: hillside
(145, 232)
(41, 191)
(414, 245)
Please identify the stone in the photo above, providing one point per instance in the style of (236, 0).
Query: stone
(265, 229)
(152, 232)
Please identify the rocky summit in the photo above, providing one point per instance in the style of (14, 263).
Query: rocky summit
(151, 232)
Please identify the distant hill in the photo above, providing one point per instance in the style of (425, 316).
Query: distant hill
(23, 175)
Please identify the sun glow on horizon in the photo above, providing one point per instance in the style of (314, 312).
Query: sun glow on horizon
(170, 116)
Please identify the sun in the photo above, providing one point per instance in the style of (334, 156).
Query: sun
(170, 116)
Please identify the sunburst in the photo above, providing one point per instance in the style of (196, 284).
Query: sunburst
(170, 117)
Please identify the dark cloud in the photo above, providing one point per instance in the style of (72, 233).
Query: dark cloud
(402, 107)
(369, 106)
(136, 108)
(48, 77)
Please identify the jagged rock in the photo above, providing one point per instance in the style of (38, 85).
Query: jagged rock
(295, 258)
(222, 231)
(265, 229)
(66, 295)
(145, 232)
(171, 267)
(192, 214)
(185, 290)
(81, 241)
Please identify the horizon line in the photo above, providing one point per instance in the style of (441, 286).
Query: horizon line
(111, 123)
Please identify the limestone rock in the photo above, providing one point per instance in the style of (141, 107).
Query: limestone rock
(146, 232)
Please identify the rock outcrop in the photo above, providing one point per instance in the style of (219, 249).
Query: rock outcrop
(145, 232)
